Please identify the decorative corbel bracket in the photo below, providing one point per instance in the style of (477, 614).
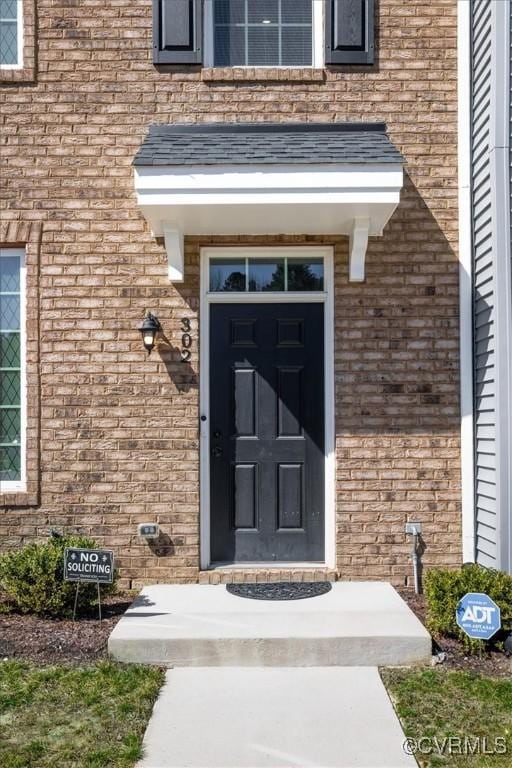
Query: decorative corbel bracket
(357, 248)
(173, 240)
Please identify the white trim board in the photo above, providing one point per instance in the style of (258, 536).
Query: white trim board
(339, 199)
(499, 155)
(327, 298)
(465, 283)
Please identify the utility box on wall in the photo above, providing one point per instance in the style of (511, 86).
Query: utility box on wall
(149, 531)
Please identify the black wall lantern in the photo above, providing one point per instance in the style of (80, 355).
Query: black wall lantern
(149, 329)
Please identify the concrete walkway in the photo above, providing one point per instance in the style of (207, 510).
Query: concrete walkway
(250, 717)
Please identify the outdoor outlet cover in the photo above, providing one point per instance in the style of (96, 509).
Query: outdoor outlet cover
(412, 528)
(148, 530)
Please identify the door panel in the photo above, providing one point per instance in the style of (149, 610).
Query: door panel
(290, 496)
(245, 402)
(244, 487)
(267, 432)
(289, 402)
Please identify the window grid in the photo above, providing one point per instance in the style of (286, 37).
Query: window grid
(10, 33)
(246, 25)
(280, 56)
(11, 416)
(250, 261)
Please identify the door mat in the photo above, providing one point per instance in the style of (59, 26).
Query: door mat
(280, 590)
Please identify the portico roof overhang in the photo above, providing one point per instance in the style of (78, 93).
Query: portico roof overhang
(318, 181)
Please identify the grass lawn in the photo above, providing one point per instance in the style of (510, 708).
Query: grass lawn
(435, 704)
(86, 717)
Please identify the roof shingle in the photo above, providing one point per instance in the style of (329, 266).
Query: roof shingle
(267, 143)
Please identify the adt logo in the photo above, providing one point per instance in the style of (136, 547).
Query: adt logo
(478, 616)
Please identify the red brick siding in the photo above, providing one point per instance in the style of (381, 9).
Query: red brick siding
(119, 432)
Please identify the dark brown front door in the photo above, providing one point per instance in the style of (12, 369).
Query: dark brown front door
(267, 432)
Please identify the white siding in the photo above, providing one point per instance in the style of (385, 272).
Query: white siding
(484, 285)
(491, 126)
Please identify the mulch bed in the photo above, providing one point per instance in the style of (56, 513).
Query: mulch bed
(495, 663)
(50, 641)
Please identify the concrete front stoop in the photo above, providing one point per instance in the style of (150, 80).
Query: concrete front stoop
(188, 625)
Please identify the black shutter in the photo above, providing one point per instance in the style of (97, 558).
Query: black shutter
(349, 31)
(177, 31)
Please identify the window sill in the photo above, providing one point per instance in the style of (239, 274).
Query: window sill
(263, 74)
(17, 75)
(19, 499)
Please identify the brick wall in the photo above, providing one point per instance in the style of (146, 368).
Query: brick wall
(118, 431)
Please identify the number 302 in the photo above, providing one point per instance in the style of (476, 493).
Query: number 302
(186, 340)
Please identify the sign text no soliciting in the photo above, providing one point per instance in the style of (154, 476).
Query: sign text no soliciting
(89, 565)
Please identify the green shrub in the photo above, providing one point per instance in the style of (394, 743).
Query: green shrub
(444, 589)
(32, 579)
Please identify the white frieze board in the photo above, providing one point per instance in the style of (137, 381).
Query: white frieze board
(349, 199)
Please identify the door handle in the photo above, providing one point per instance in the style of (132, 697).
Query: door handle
(216, 451)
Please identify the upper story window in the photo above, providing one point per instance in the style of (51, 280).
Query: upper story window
(262, 33)
(11, 33)
(12, 368)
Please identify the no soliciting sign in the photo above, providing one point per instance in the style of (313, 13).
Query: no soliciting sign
(89, 565)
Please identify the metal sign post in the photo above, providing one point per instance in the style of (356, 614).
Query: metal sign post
(88, 565)
(99, 600)
(76, 599)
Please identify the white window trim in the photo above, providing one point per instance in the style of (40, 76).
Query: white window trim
(19, 486)
(327, 298)
(19, 22)
(318, 40)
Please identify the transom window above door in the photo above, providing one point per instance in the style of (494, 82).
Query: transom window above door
(269, 274)
(254, 33)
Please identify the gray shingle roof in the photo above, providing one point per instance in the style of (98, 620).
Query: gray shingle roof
(266, 143)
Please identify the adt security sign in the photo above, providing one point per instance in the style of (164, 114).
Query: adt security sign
(478, 616)
(89, 565)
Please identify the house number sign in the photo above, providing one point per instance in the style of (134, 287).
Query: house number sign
(186, 340)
